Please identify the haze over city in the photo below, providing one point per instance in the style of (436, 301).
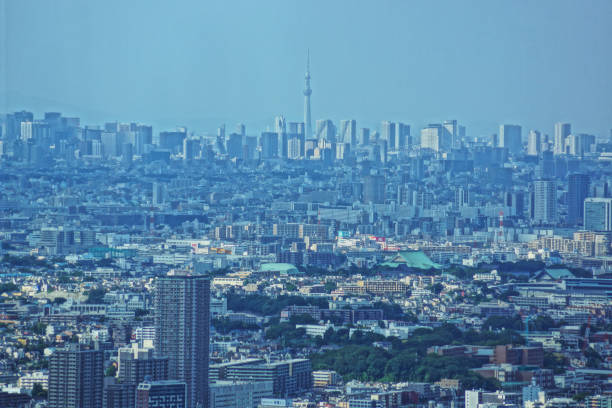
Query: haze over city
(316, 204)
(200, 64)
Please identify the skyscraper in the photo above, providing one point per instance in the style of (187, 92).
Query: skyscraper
(435, 137)
(76, 377)
(562, 131)
(510, 138)
(598, 214)
(374, 189)
(402, 136)
(387, 132)
(182, 331)
(307, 93)
(534, 143)
(545, 201)
(326, 130)
(577, 191)
(348, 132)
(453, 130)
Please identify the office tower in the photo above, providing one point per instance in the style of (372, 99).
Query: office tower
(13, 124)
(36, 132)
(598, 214)
(546, 165)
(417, 168)
(545, 201)
(307, 93)
(280, 124)
(450, 126)
(579, 144)
(296, 128)
(182, 302)
(172, 141)
(269, 145)
(510, 138)
(241, 129)
(434, 137)
(76, 376)
(374, 189)
(326, 130)
(110, 144)
(234, 145)
(127, 153)
(294, 148)
(343, 150)
(577, 191)
(387, 132)
(348, 132)
(534, 143)
(190, 149)
(166, 394)
(364, 136)
(402, 136)
(562, 131)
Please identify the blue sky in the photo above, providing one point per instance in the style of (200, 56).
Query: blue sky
(203, 63)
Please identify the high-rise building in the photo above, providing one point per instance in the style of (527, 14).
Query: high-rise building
(166, 394)
(577, 191)
(510, 137)
(364, 136)
(348, 132)
(234, 145)
(545, 201)
(269, 145)
(76, 377)
(562, 131)
(374, 189)
(190, 148)
(450, 126)
(182, 303)
(387, 133)
(534, 143)
(598, 214)
(307, 93)
(326, 130)
(402, 136)
(435, 137)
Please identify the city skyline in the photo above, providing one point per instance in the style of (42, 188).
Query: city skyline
(229, 79)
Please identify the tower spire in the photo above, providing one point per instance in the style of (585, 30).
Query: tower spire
(307, 93)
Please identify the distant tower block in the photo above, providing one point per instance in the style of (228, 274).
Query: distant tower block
(307, 93)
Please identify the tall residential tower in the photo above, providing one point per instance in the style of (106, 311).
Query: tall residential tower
(182, 331)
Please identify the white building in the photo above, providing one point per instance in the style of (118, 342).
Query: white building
(236, 394)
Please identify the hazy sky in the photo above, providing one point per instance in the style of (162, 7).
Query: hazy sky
(200, 63)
